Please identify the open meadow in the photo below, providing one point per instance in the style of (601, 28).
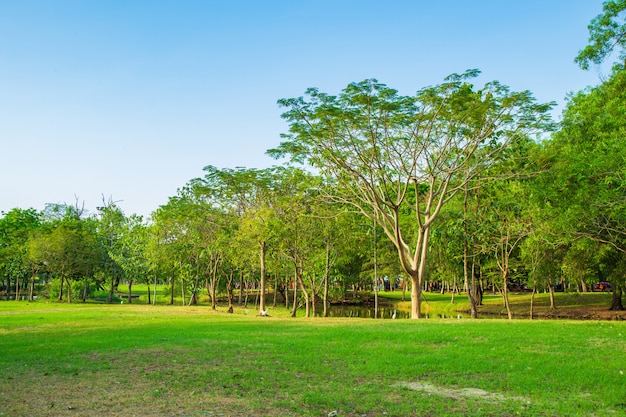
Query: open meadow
(140, 360)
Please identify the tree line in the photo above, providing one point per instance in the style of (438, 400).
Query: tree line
(457, 186)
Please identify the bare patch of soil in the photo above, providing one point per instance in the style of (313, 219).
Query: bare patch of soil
(458, 393)
(141, 383)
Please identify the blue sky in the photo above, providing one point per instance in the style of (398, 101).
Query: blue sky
(131, 99)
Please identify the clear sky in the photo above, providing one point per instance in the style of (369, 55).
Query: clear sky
(130, 99)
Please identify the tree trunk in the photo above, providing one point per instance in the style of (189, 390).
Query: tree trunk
(276, 290)
(295, 296)
(307, 301)
(551, 290)
(60, 290)
(375, 295)
(375, 276)
(17, 289)
(241, 283)
(229, 291)
(477, 292)
(416, 272)
(532, 301)
(85, 290)
(326, 273)
(69, 290)
(262, 309)
(112, 283)
(405, 283)
(313, 300)
(130, 291)
(583, 286)
(453, 289)
(215, 262)
(156, 282)
(416, 298)
(172, 290)
(417, 281)
(213, 295)
(505, 294)
(31, 292)
(194, 292)
(470, 286)
(616, 300)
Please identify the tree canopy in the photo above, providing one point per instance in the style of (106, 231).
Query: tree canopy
(390, 154)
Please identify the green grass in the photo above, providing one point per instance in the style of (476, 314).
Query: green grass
(137, 360)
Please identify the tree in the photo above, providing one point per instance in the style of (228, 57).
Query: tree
(109, 232)
(585, 188)
(208, 233)
(450, 239)
(172, 243)
(390, 153)
(607, 32)
(16, 227)
(299, 232)
(130, 253)
(68, 250)
(508, 228)
(248, 195)
(543, 259)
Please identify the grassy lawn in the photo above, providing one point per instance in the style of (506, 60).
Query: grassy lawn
(138, 360)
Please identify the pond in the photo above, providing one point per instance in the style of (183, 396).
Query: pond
(384, 312)
(361, 311)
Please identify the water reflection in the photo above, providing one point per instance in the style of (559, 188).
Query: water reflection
(343, 310)
(386, 312)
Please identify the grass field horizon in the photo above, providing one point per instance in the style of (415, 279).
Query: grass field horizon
(139, 360)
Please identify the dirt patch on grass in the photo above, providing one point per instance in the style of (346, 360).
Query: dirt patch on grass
(161, 381)
(459, 393)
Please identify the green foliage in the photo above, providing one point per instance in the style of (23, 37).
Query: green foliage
(67, 249)
(607, 32)
(16, 227)
(77, 290)
(585, 187)
(399, 159)
(103, 295)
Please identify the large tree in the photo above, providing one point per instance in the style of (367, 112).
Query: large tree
(586, 186)
(391, 154)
